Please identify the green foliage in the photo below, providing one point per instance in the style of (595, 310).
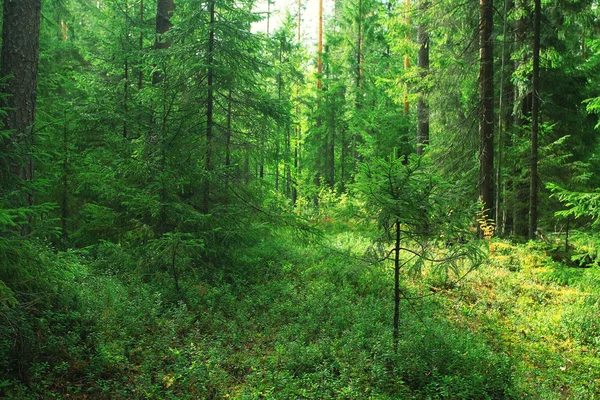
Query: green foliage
(435, 221)
(578, 204)
(163, 257)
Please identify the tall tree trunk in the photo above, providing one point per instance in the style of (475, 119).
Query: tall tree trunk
(406, 57)
(164, 12)
(396, 327)
(319, 133)
(141, 46)
(486, 105)
(64, 195)
(228, 137)
(126, 100)
(356, 139)
(498, 215)
(331, 138)
(297, 127)
(20, 55)
(209, 107)
(523, 110)
(320, 47)
(423, 64)
(535, 108)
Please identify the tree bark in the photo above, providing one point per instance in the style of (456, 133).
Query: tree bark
(209, 107)
(396, 327)
(499, 166)
(297, 127)
(164, 12)
(486, 105)
(406, 58)
(141, 46)
(423, 64)
(535, 107)
(19, 64)
(523, 102)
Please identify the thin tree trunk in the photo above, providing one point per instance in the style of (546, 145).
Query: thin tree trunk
(126, 99)
(523, 101)
(288, 153)
(423, 64)
(498, 216)
(535, 107)
(407, 58)
(164, 12)
(297, 127)
(141, 46)
(486, 104)
(396, 327)
(64, 200)
(359, 72)
(228, 139)
(209, 108)
(320, 47)
(319, 161)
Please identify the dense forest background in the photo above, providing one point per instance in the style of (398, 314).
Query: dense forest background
(191, 207)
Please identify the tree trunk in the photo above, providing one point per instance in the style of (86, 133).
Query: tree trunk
(64, 195)
(423, 64)
(535, 107)
(406, 58)
(141, 47)
(499, 198)
(319, 133)
(164, 12)
(486, 105)
(228, 138)
(396, 327)
(209, 108)
(523, 110)
(20, 55)
(356, 138)
(297, 127)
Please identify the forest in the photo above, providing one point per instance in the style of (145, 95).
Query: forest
(299, 199)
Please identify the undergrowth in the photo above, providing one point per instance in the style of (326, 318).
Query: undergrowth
(287, 321)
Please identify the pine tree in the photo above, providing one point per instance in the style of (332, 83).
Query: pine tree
(486, 104)
(19, 67)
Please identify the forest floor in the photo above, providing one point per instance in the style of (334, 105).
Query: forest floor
(541, 313)
(313, 321)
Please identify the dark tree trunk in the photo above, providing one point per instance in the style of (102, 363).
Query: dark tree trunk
(500, 225)
(319, 134)
(407, 58)
(423, 64)
(396, 327)
(64, 195)
(164, 12)
(297, 127)
(535, 107)
(20, 55)
(523, 110)
(209, 108)
(141, 46)
(228, 138)
(356, 138)
(486, 105)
